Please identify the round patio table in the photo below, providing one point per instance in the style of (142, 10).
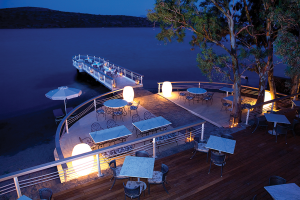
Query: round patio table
(196, 91)
(115, 103)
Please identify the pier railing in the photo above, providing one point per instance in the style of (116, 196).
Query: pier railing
(16, 181)
(249, 108)
(109, 81)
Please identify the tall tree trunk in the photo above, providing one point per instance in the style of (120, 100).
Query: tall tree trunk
(236, 111)
(272, 86)
(261, 87)
(295, 84)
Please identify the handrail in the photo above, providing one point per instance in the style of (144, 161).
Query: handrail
(95, 152)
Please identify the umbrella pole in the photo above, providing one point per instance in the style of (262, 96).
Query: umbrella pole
(65, 106)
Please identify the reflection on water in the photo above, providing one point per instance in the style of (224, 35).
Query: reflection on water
(35, 61)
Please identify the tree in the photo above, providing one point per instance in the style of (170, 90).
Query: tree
(287, 43)
(210, 21)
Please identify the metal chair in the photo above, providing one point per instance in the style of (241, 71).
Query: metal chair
(45, 193)
(116, 172)
(208, 97)
(181, 95)
(189, 98)
(134, 107)
(132, 192)
(142, 154)
(281, 130)
(200, 146)
(159, 177)
(225, 104)
(96, 127)
(89, 141)
(135, 118)
(100, 111)
(261, 121)
(148, 115)
(291, 127)
(111, 123)
(217, 159)
(276, 180)
(119, 113)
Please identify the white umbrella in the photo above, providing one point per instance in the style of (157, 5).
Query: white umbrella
(63, 93)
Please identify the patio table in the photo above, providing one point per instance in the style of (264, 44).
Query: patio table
(221, 144)
(196, 91)
(140, 167)
(276, 118)
(23, 197)
(226, 89)
(152, 123)
(110, 134)
(115, 103)
(284, 191)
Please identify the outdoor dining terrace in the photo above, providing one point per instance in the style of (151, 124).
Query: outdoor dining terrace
(256, 157)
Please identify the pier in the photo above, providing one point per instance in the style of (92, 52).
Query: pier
(112, 76)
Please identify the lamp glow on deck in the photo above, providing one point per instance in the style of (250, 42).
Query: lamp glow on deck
(267, 98)
(128, 94)
(167, 89)
(81, 166)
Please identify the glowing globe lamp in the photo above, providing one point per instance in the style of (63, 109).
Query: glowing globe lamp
(128, 93)
(82, 166)
(167, 89)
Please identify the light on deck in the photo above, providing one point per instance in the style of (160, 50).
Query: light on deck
(82, 166)
(167, 89)
(128, 94)
(267, 98)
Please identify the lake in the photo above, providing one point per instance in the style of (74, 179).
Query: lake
(35, 61)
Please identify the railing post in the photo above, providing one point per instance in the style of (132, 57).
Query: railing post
(247, 118)
(65, 175)
(294, 100)
(154, 148)
(131, 76)
(141, 80)
(202, 132)
(272, 106)
(67, 127)
(17, 187)
(79, 56)
(158, 88)
(99, 167)
(199, 84)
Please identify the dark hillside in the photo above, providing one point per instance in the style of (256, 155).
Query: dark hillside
(33, 17)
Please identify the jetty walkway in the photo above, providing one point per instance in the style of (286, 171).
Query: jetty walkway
(112, 76)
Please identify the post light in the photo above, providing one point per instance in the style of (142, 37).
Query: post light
(267, 98)
(128, 93)
(137, 81)
(80, 166)
(233, 121)
(167, 89)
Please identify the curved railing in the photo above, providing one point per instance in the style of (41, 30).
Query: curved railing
(108, 81)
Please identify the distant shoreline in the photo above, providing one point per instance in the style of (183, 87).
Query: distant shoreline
(35, 17)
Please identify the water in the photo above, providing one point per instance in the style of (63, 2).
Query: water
(35, 61)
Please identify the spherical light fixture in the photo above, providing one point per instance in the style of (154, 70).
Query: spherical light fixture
(167, 89)
(128, 93)
(82, 166)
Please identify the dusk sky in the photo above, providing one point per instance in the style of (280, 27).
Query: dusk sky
(103, 7)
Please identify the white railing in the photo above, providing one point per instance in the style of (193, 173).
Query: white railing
(108, 81)
(32, 176)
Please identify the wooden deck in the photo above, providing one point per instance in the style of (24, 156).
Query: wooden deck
(257, 157)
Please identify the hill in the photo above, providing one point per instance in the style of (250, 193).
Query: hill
(34, 17)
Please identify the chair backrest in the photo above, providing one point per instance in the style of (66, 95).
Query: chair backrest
(164, 170)
(295, 121)
(217, 158)
(111, 123)
(276, 180)
(281, 129)
(113, 166)
(132, 192)
(136, 118)
(45, 193)
(148, 115)
(141, 154)
(96, 127)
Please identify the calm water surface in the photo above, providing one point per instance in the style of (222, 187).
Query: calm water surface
(35, 61)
